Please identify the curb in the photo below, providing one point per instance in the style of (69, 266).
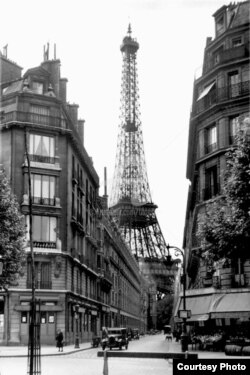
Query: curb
(46, 354)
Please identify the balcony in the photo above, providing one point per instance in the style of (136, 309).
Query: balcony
(210, 148)
(44, 244)
(42, 159)
(18, 116)
(219, 95)
(46, 284)
(224, 56)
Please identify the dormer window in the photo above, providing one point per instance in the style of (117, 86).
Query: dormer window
(37, 87)
(220, 25)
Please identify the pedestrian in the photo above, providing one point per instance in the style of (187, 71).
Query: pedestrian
(59, 340)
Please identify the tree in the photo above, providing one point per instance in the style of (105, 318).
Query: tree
(164, 310)
(12, 233)
(224, 230)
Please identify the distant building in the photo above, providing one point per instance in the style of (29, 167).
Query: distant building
(219, 294)
(81, 264)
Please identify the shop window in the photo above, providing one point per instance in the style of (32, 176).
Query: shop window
(51, 317)
(43, 317)
(24, 317)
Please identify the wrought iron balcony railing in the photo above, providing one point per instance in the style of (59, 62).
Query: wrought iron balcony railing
(217, 95)
(44, 244)
(42, 159)
(45, 284)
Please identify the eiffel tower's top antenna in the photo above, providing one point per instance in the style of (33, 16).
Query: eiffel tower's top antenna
(129, 30)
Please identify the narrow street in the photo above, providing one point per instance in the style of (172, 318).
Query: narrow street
(86, 362)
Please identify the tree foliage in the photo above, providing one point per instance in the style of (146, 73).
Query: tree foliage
(12, 233)
(224, 230)
(164, 310)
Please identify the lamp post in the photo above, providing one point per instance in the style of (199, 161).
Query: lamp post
(184, 337)
(76, 315)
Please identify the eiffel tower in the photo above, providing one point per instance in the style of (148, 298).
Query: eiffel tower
(130, 202)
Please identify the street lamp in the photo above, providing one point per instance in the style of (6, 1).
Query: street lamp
(76, 315)
(184, 312)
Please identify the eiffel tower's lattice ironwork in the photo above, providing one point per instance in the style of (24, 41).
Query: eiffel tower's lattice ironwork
(131, 203)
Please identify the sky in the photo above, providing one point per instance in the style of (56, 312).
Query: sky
(88, 34)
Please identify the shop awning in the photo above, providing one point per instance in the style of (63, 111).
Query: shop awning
(205, 91)
(231, 305)
(199, 305)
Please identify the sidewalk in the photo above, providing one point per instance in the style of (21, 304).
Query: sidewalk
(175, 347)
(22, 351)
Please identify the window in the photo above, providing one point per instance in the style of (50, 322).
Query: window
(211, 182)
(236, 42)
(233, 81)
(217, 54)
(220, 25)
(44, 231)
(79, 207)
(234, 126)
(211, 139)
(37, 87)
(43, 189)
(45, 276)
(42, 148)
(29, 274)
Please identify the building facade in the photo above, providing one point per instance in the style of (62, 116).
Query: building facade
(85, 278)
(220, 106)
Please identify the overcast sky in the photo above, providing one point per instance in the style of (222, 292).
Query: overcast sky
(88, 34)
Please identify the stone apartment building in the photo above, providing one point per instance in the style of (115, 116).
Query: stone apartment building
(218, 294)
(81, 264)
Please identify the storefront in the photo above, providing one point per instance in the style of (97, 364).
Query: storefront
(227, 310)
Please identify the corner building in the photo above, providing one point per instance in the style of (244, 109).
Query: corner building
(219, 293)
(68, 253)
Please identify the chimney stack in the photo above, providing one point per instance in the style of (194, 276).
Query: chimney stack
(63, 89)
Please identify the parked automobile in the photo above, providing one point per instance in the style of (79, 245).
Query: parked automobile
(116, 338)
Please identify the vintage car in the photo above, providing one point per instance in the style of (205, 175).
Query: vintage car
(116, 338)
